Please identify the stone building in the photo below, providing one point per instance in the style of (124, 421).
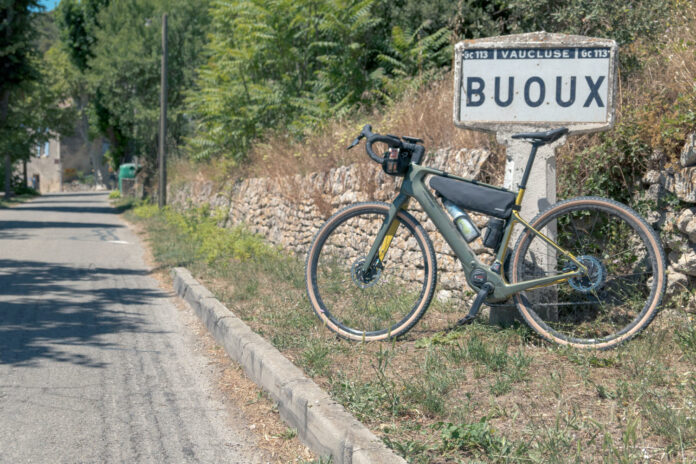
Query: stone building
(44, 169)
(66, 159)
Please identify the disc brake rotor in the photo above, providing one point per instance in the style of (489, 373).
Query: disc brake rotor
(364, 279)
(593, 279)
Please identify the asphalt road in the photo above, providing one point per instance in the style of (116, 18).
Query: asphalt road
(96, 363)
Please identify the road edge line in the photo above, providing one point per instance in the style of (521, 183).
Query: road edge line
(321, 423)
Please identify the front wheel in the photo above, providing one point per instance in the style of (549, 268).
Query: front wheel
(383, 303)
(621, 290)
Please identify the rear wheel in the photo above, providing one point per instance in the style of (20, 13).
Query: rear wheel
(384, 302)
(619, 294)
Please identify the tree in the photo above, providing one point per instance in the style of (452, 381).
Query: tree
(35, 113)
(123, 72)
(295, 63)
(78, 24)
(464, 18)
(16, 49)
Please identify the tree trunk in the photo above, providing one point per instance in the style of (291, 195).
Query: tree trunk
(24, 174)
(94, 147)
(8, 176)
(101, 169)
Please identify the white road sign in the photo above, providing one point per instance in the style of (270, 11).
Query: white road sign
(552, 83)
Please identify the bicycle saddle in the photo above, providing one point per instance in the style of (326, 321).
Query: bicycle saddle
(543, 137)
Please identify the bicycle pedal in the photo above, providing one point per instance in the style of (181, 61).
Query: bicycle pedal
(466, 320)
(485, 290)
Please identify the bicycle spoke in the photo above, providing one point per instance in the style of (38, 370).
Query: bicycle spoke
(610, 297)
(378, 300)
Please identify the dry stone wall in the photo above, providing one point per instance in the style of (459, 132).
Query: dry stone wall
(288, 211)
(677, 225)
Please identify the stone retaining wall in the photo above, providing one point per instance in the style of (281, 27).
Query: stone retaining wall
(288, 211)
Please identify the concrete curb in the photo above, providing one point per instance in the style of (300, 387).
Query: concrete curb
(321, 423)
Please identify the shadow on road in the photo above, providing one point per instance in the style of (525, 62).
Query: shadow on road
(74, 194)
(96, 201)
(42, 316)
(5, 225)
(60, 208)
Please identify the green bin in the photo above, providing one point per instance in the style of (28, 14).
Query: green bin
(126, 171)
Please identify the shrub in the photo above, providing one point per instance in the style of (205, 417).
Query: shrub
(212, 241)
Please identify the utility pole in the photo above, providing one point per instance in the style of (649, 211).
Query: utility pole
(4, 104)
(162, 200)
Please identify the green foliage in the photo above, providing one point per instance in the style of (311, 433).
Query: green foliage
(20, 189)
(78, 24)
(212, 241)
(364, 399)
(316, 358)
(46, 31)
(411, 54)
(687, 341)
(34, 112)
(678, 121)
(612, 168)
(17, 184)
(16, 43)
(622, 21)
(477, 438)
(465, 18)
(29, 97)
(413, 450)
(294, 63)
(115, 46)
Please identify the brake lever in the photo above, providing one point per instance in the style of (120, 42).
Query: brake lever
(356, 141)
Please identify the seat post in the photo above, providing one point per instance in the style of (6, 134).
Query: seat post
(530, 162)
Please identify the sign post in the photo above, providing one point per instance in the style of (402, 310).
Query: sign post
(534, 82)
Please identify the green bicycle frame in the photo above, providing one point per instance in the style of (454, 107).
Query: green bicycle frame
(413, 185)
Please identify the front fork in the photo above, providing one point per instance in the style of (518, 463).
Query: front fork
(375, 258)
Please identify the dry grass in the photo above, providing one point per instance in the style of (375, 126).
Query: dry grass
(483, 394)
(648, 97)
(243, 399)
(425, 113)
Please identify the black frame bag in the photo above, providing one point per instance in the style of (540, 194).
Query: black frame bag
(474, 197)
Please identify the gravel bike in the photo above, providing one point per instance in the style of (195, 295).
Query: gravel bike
(587, 272)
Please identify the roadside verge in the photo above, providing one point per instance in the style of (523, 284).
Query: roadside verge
(321, 423)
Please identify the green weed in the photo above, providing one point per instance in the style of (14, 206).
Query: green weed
(316, 357)
(412, 450)
(364, 399)
(477, 439)
(288, 434)
(428, 389)
(501, 386)
(687, 342)
(676, 424)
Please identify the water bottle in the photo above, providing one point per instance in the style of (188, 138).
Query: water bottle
(463, 222)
